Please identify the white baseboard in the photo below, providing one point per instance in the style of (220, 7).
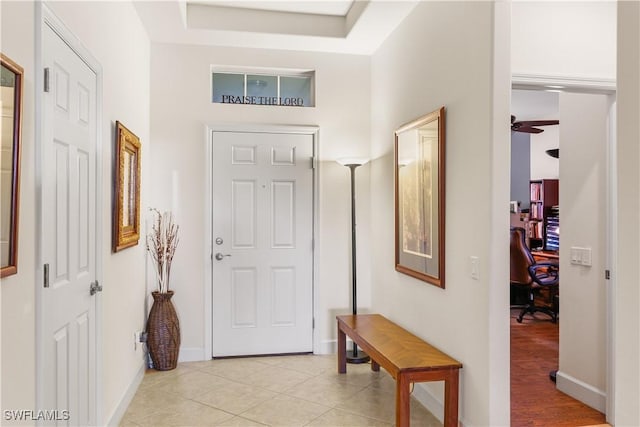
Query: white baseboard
(118, 413)
(429, 401)
(326, 347)
(197, 354)
(330, 347)
(586, 393)
(192, 354)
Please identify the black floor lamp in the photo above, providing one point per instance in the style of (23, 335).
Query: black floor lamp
(354, 356)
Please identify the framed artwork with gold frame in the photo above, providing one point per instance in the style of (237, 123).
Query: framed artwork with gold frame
(420, 198)
(126, 218)
(11, 76)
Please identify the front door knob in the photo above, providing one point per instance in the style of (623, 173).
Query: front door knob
(220, 256)
(95, 287)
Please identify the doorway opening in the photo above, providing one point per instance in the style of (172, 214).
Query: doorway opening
(583, 172)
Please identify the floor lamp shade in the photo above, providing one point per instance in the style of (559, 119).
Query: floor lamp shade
(354, 356)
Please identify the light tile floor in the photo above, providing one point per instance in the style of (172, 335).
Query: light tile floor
(272, 391)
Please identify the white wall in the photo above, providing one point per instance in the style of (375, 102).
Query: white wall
(112, 32)
(181, 109)
(427, 63)
(544, 166)
(626, 272)
(18, 297)
(520, 169)
(574, 39)
(538, 105)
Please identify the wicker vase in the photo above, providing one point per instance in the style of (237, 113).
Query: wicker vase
(163, 332)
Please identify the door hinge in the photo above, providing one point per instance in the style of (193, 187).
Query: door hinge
(46, 79)
(46, 275)
(313, 323)
(314, 162)
(607, 274)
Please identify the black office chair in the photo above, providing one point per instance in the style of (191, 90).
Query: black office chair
(534, 276)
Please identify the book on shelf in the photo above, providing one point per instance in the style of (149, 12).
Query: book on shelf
(536, 229)
(536, 210)
(536, 191)
(544, 205)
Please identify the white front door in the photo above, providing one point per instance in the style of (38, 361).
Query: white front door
(68, 323)
(263, 243)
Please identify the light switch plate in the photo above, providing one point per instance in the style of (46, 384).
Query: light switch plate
(581, 256)
(586, 256)
(575, 255)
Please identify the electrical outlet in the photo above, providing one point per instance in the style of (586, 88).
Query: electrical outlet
(139, 337)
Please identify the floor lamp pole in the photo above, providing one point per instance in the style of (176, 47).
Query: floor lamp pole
(354, 356)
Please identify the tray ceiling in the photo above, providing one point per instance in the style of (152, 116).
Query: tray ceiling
(357, 27)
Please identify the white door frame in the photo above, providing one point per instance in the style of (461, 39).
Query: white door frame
(607, 87)
(314, 131)
(46, 17)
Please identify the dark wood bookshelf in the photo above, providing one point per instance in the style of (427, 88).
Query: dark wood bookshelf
(544, 196)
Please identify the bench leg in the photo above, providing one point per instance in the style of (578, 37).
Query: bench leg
(374, 366)
(451, 399)
(403, 401)
(342, 351)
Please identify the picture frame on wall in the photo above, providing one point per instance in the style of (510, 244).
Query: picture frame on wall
(420, 198)
(126, 218)
(11, 99)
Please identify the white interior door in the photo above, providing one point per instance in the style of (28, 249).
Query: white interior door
(69, 234)
(583, 160)
(263, 249)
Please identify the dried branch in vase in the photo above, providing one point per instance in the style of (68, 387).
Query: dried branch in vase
(161, 245)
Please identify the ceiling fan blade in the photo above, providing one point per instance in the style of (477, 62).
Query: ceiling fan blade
(526, 129)
(538, 122)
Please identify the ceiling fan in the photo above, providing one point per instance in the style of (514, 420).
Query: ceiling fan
(527, 126)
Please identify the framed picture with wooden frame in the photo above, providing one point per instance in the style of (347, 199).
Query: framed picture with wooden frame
(420, 198)
(126, 218)
(11, 82)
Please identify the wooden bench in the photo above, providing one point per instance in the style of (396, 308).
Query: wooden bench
(406, 357)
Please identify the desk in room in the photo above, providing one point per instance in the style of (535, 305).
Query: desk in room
(546, 256)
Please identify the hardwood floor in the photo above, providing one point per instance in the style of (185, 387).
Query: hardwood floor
(535, 401)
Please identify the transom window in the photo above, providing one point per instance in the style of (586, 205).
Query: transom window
(294, 89)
